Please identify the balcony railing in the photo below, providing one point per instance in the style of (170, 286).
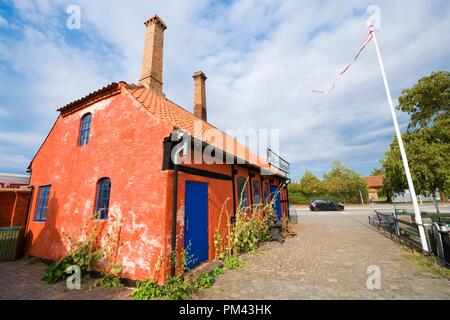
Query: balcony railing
(278, 162)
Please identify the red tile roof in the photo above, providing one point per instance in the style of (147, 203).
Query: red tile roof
(176, 116)
(374, 181)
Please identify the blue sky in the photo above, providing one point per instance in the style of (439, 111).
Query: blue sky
(262, 59)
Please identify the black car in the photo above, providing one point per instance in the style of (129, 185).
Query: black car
(326, 205)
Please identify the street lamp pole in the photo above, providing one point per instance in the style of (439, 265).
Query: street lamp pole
(418, 216)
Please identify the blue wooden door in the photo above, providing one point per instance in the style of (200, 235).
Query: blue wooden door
(196, 223)
(277, 202)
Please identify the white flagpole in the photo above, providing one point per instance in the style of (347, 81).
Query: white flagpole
(402, 152)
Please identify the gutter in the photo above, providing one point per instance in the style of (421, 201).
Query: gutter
(233, 186)
(174, 221)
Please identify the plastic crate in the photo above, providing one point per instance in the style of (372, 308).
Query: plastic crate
(10, 243)
(445, 236)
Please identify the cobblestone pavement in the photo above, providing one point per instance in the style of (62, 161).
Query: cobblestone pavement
(329, 260)
(19, 280)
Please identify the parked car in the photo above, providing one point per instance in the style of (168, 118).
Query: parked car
(326, 205)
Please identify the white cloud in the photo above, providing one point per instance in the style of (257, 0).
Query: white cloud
(262, 59)
(3, 22)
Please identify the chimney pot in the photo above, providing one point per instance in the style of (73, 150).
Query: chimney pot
(200, 95)
(152, 62)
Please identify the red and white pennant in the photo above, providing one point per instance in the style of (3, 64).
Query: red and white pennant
(366, 41)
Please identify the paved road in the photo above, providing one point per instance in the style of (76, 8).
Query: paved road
(329, 260)
(429, 207)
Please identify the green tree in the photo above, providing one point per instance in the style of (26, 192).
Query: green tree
(344, 184)
(377, 172)
(428, 150)
(427, 101)
(309, 183)
(427, 141)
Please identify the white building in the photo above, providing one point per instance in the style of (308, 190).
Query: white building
(406, 197)
(14, 181)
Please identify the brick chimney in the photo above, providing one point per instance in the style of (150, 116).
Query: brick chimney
(152, 62)
(200, 95)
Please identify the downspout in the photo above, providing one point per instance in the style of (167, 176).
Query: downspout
(29, 208)
(250, 191)
(233, 186)
(13, 209)
(287, 198)
(174, 220)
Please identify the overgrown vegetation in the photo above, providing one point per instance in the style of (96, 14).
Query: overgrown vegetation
(341, 184)
(87, 251)
(108, 281)
(82, 255)
(249, 230)
(233, 262)
(176, 288)
(428, 263)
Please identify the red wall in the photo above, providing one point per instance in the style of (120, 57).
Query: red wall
(13, 207)
(220, 201)
(125, 145)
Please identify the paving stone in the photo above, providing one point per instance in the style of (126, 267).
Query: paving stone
(329, 260)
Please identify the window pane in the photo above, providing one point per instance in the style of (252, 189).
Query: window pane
(85, 129)
(42, 203)
(242, 192)
(256, 192)
(103, 190)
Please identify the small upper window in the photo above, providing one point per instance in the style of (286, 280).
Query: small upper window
(102, 205)
(242, 192)
(256, 192)
(85, 129)
(42, 204)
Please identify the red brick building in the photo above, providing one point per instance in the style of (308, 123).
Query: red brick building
(375, 183)
(111, 152)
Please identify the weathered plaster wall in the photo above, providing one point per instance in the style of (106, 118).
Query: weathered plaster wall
(125, 145)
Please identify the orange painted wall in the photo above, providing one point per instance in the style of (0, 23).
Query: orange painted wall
(125, 145)
(220, 201)
(218, 193)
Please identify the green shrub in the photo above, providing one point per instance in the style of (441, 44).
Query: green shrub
(233, 262)
(82, 256)
(176, 288)
(249, 231)
(108, 281)
(146, 290)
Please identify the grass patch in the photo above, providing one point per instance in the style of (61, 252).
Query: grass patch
(233, 262)
(176, 288)
(428, 263)
(108, 281)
